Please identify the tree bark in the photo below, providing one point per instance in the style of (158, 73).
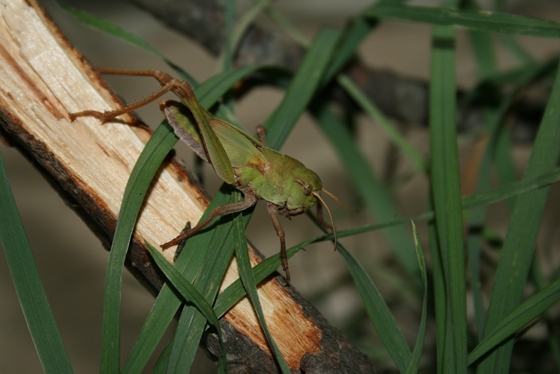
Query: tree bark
(43, 79)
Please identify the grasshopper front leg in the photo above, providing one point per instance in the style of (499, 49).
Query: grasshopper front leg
(272, 211)
(218, 211)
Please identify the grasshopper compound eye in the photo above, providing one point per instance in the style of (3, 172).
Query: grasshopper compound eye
(307, 188)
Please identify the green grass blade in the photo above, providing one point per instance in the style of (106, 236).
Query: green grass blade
(446, 193)
(235, 291)
(474, 20)
(378, 312)
(440, 293)
(250, 285)
(494, 118)
(486, 63)
(163, 360)
(215, 87)
(482, 198)
(150, 159)
(368, 186)
(191, 294)
(304, 85)
(209, 275)
(517, 252)
(29, 289)
(414, 363)
(539, 281)
(375, 113)
(189, 263)
(118, 32)
(110, 28)
(516, 319)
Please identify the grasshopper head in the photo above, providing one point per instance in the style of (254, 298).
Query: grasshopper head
(313, 196)
(304, 191)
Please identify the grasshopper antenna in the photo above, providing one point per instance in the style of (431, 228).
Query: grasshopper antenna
(339, 201)
(330, 215)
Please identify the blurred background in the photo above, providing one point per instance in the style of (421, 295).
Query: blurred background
(72, 261)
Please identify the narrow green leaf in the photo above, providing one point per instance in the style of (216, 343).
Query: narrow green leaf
(235, 291)
(378, 312)
(414, 363)
(209, 275)
(191, 294)
(110, 28)
(475, 20)
(517, 252)
(483, 198)
(369, 186)
(248, 280)
(375, 113)
(446, 194)
(189, 263)
(29, 289)
(163, 360)
(303, 87)
(440, 293)
(151, 158)
(517, 318)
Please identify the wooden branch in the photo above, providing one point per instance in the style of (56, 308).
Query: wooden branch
(43, 78)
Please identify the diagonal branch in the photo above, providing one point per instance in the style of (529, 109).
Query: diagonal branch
(43, 79)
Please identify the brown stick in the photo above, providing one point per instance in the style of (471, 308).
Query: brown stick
(43, 79)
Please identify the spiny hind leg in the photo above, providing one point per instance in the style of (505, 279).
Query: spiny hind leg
(167, 82)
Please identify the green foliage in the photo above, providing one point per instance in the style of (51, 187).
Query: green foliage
(484, 343)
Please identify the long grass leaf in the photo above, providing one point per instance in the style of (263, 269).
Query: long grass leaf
(414, 363)
(517, 318)
(235, 291)
(191, 294)
(475, 20)
(378, 312)
(209, 276)
(483, 198)
(32, 299)
(517, 252)
(304, 85)
(189, 263)
(446, 193)
(440, 293)
(368, 185)
(375, 113)
(151, 158)
(250, 285)
(115, 30)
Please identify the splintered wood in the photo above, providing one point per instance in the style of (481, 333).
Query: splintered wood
(43, 79)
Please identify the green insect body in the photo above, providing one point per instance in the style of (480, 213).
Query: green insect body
(257, 169)
(287, 186)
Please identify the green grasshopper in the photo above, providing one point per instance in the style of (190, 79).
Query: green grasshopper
(287, 186)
